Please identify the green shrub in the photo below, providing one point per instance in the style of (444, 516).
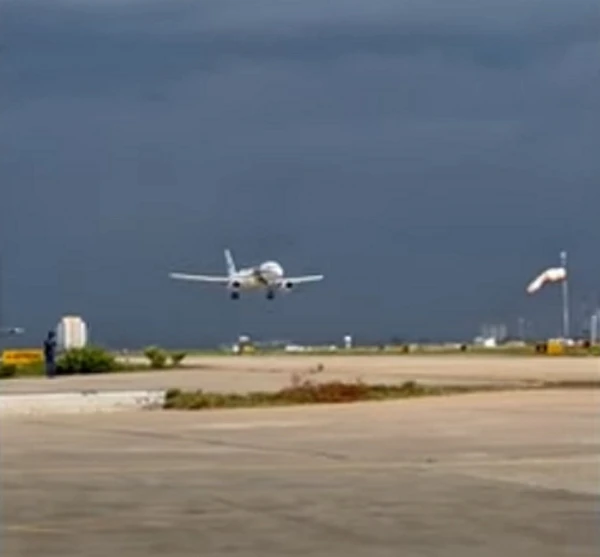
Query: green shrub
(595, 350)
(7, 371)
(90, 359)
(157, 357)
(177, 358)
(31, 370)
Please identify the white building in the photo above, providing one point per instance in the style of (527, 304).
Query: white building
(71, 332)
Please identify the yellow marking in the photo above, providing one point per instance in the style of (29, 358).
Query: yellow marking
(22, 356)
(555, 348)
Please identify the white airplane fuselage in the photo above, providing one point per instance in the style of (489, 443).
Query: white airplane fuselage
(266, 275)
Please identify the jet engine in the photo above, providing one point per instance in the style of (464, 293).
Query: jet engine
(234, 288)
(287, 285)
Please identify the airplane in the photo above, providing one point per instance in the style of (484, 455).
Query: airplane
(11, 331)
(268, 275)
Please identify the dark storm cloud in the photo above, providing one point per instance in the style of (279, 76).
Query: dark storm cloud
(385, 143)
(133, 40)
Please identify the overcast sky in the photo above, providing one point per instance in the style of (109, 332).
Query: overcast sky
(429, 157)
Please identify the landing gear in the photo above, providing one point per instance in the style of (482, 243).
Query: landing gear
(270, 295)
(235, 295)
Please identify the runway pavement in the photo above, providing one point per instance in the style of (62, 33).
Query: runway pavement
(239, 373)
(468, 476)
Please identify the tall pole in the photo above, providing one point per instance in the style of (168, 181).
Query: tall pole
(565, 297)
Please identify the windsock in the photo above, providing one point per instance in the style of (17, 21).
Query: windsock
(554, 274)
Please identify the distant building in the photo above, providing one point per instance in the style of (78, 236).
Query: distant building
(493, 333)
(71, 332)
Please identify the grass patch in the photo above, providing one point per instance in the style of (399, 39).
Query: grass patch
(94, 360)
(306, 392)
(335, 392)
(9, 371)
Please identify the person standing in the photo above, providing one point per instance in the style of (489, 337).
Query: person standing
(50, 354)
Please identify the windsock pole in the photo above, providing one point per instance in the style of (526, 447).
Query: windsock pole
(565, 297)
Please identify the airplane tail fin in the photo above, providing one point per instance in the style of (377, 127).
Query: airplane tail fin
(229, 263)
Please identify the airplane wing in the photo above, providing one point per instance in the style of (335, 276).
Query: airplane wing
(300, 280)
(199, 278)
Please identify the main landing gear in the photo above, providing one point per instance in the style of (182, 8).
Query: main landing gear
(236, 295)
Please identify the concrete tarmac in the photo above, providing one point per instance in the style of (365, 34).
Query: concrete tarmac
(466, 476)
(272, 372)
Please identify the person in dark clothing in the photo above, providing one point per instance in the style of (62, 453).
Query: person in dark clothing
(50, 354)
